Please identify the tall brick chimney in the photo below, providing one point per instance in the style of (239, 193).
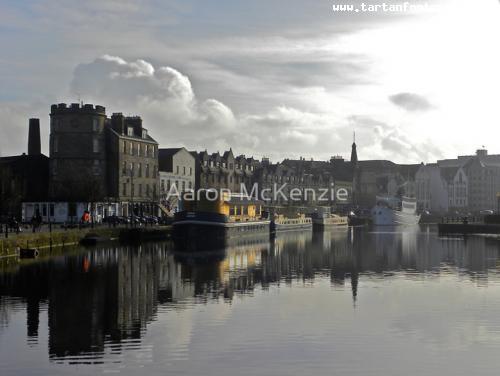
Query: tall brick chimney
(34, 143)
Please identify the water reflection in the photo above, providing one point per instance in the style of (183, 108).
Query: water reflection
(101, 301)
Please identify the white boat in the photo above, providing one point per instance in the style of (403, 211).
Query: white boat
(392, 211)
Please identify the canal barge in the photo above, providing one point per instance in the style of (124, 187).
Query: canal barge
(207, 223)
(282, 223)
(329, 220)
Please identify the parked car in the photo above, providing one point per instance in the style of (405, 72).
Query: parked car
(112, 219)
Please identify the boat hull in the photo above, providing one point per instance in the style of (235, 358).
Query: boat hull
(278, 227)
(330, 222)
(382, 216)
(207, 231)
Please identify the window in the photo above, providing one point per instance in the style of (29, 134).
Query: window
(130, 131)
(131, 148)
(184, 170)
(138, 150)
(140, 190)
(95, 125)
(124, 168)
(139, 170)
(147, 190)
(190, 171)
(124, 189)
(162, 185)
(131, 171)
(147, 171)
(51, 210)
(144, 134)
(124, 147)
(146, 151)
(183, 186)
(55, 145)
(154, 172)
(177, 170)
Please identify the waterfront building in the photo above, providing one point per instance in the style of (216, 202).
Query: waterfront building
(109, 163)
(224, 171)
(177, 169)
(384, 178)
(431, 189)
(468, 183)
(132, 160)
(24, 177)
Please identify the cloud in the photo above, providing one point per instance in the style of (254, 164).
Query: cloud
(411, 102)
(175, 115)
(391, 142)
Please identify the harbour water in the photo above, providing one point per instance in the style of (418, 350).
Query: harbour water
(345, 302)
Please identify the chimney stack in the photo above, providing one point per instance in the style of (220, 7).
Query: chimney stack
(34, 144)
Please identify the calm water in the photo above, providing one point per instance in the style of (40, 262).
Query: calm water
(341, 303)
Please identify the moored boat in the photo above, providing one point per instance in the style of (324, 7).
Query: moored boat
(207, 224)
(282, 223)
(330, 220)
(393, 211)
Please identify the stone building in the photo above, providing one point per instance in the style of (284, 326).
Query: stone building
(224, 171)
(132, 164)
(432, 188)
(384, 178)
(468, 183)
(95, 159)
(177, 169)
(24, 177)
(77, 153)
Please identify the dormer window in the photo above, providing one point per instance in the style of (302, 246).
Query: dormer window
(144, 134)
(130, 131)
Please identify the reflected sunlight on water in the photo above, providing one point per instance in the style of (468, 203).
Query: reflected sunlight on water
(354, 303)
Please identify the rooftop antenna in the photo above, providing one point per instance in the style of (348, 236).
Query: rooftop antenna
(354, 136)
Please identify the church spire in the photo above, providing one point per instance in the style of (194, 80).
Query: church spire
(354, 153)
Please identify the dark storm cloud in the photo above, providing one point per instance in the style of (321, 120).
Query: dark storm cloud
(411, 102)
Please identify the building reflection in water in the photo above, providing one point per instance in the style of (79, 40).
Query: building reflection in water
(103, 299)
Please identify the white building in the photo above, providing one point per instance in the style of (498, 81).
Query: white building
(468, 183)
(431, 189)
(177, 175)
(56, 212)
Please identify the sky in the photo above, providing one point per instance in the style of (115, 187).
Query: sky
(266, 77)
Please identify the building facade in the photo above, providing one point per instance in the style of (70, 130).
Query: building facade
(110, 163)
(23, 177)
(177, 169)
(224, 171)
